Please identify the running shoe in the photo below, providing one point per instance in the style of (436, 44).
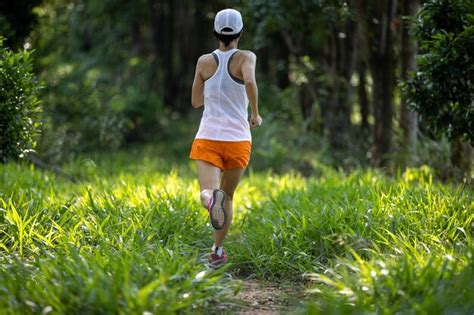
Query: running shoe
(216, 209)
(216, 261)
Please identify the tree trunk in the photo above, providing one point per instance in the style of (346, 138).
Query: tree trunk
(158, 25)
(342, 67)
(382, 73)
(306, 101)
(408, 118)
(186, 42)
(363, 97)
(282, 54)
(461, 157)
(163, 33)
(168, 59)
(362, 67)
(136, 39)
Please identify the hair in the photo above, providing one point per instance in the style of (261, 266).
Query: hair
(226, 39)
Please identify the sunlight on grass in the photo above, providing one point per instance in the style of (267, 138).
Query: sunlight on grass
(132, 239)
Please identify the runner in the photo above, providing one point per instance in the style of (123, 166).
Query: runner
(224, 83)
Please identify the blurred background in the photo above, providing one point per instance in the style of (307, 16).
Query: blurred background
(335, 79)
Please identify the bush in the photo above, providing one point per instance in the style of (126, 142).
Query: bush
(441, 89)
(19, 104)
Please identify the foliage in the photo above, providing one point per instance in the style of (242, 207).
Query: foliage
(130, 236)
(109, 245)
(441, 90)
(19, 104)
(118, 73)
(282, 134)
(409, 282)
(98, 92)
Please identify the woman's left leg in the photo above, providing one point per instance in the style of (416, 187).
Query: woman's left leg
(229, 182)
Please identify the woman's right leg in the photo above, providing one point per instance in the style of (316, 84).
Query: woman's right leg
(229, 181)
(209, 177)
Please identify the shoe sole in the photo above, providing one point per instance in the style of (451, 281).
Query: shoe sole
(216, 265)
(216, 210)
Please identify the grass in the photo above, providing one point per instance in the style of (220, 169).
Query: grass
(130, 237)
(103, 246)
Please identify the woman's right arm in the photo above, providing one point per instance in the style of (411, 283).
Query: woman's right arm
(248, 74)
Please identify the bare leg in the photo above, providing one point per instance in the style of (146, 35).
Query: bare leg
(230, 180)
(209, 177)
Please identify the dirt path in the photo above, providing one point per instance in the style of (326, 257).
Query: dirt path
(266, 298)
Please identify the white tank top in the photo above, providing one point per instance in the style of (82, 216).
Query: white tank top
(225, 116)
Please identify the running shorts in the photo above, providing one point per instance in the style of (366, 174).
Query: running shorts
(225, 155)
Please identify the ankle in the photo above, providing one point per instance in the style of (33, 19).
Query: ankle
(219, 250)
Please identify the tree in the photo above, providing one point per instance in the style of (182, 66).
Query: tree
(441, 90)
(408, 118)
(382, 70)
(117, 71)
(314, 42)
(342, 61)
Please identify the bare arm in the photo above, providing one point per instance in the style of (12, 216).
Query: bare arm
(197, 91)
(248, 73)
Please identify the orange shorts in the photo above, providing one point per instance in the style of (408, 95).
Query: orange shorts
(225, 155)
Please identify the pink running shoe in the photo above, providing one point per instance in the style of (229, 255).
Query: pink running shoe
(216, 261)
(216, 209)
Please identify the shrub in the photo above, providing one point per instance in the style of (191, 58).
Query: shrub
(19, 104)
(441, 90)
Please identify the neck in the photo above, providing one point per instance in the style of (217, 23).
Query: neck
(232, 45)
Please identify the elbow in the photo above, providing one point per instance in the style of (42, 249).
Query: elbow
(250, 83)
(196, 104)
(197, 99)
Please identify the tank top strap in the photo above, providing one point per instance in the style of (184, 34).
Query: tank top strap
(216, 58)
(224, 55)
(228, 68)
(223, 60)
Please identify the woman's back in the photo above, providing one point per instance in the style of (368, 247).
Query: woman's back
(225, 115)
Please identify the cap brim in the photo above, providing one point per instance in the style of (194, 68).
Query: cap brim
(228, 32)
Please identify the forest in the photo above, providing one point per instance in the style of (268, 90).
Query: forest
(359, 193)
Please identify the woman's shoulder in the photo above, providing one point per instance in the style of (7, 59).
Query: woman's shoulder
(207, 62)
(205, 58)
(244, 56)
(248, 53)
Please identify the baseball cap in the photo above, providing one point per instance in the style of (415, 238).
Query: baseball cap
(230, 20)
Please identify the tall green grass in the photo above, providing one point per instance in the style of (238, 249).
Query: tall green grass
(130, 238)
(119, 244)
(415, 281)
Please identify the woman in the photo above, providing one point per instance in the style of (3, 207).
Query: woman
(224, 82)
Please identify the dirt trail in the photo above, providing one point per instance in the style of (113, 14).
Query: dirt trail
(266, 298)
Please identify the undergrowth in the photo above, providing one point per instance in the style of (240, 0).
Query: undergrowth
(130, 237)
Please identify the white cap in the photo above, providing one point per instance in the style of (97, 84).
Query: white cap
(229, 18)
